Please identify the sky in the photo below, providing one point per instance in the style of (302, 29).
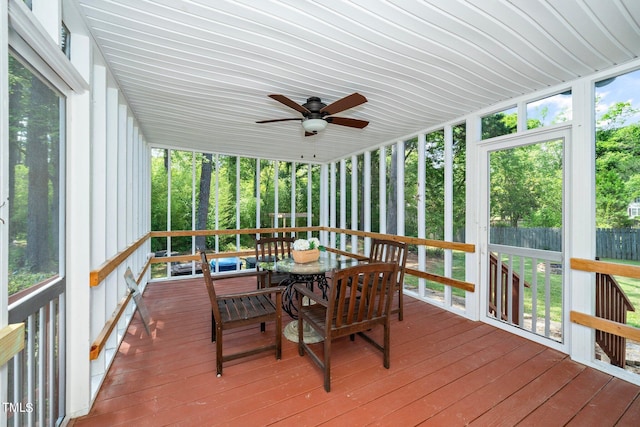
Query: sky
(624, 88)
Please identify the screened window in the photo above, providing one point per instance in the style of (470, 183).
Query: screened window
(35, 150)
(550, 110)
(500, 123)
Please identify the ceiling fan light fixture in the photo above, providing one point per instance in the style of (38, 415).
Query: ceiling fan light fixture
(314, 125)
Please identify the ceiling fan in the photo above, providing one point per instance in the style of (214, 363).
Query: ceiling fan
(316, 114)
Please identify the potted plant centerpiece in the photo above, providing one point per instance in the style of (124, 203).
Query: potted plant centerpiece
(306, 250)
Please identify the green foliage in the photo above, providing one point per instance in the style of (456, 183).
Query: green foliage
(617, 166)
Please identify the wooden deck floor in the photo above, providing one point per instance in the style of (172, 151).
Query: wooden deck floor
(445, 371)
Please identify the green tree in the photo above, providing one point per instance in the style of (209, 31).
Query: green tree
(617, 165)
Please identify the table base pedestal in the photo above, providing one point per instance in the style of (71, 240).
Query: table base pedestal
(310, 336)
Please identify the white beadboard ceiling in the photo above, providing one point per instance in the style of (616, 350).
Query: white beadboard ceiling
(197, 73)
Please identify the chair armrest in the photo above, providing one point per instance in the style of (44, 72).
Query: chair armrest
(306, 292)
(261, 291)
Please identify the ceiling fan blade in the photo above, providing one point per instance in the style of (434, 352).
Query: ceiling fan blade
(278, 120)
(289, 103)
(345, 103)
(344, 121)
(310, 133)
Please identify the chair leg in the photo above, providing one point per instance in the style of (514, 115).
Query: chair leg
(327, 365)
(219, 354)
(300, 335)
(279, 335)
(387, 346)
(400, 302)
(213, 328)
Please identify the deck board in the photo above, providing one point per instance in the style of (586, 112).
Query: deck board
(445, 370)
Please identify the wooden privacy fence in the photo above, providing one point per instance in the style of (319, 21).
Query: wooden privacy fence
(618, 243)
(612, 243)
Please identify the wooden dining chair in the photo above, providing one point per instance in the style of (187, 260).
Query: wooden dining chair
(395, 252)
(239, 309)
(271, 249)
(349, 310)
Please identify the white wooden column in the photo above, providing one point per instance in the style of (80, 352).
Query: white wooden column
(400, 187)
(4, 191)
(422, 217)
(309, 198)
(343, 203)
(382, 187)
(580, 221)
(78, 220)
(332, 203)
(324, 202)
(354, 203)
(448, 208)
(100, 312)
(367, 199)
(473, 229)
(257, 195)
(292, 193)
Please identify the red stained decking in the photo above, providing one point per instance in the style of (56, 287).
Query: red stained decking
(445, 371)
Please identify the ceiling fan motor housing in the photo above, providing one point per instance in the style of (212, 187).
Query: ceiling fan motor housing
(314, 105)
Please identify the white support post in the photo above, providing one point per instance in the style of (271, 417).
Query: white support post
(367, 199)
(332, 203)
(473, 272)
(276, 193)
(343, 203)
(100, 312)
(422, 217)
(78, 220)
(292, 210)
(400, 187)
(324, 201)
(129, 204)
(257, 195)
(382, 187)
(193, 202)
(238, 187)
(4, 191)
(216, 192)
(309, 198)
(448, 208)
(354, 203)
(580, 163)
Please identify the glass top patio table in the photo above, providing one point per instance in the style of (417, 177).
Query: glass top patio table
(328, 261)
(311, 274)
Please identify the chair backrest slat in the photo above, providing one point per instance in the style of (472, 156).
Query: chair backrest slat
(361, 293)
(390, 251)
(273, 248)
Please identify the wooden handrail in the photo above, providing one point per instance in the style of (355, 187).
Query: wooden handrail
(612, 268)
(466, 286)
(592, 266)
(456, 246)
(103, 336)
(11, 341)
(620, 329)
(99, 274)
